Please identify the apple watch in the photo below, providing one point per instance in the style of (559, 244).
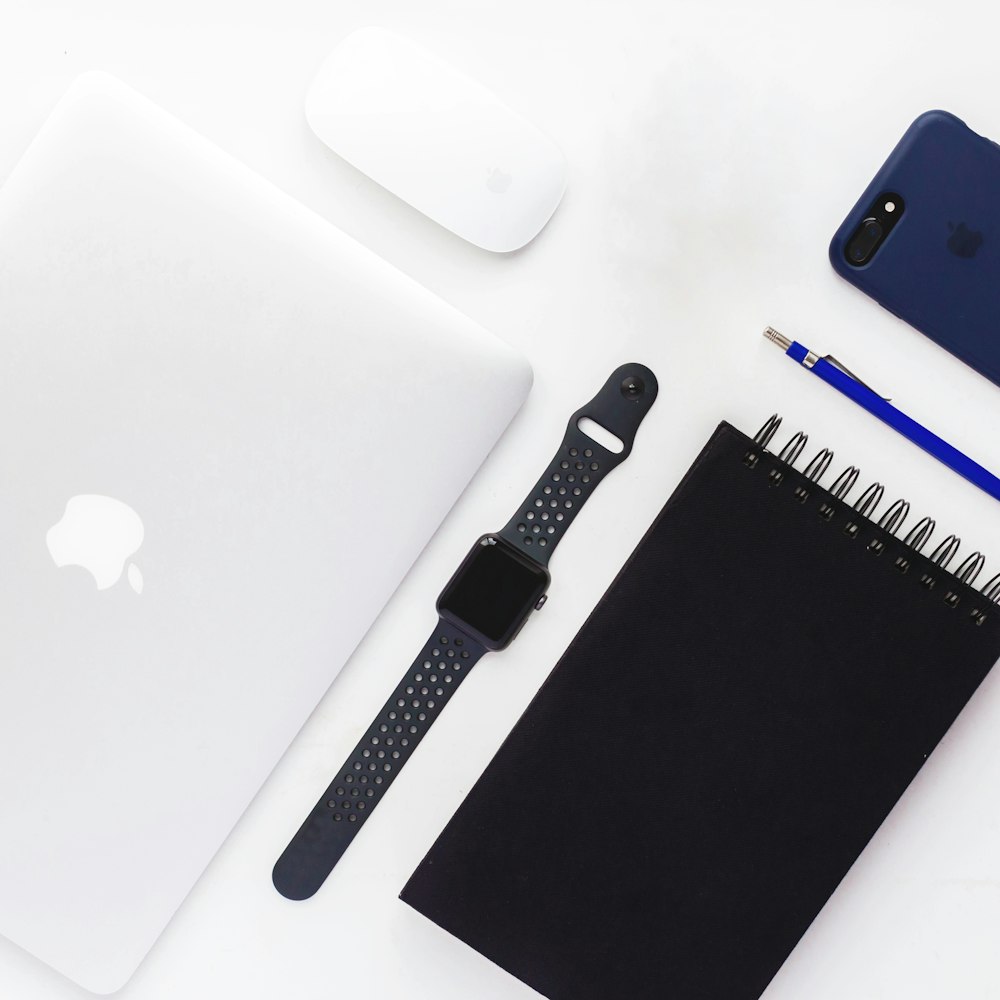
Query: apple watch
(491, 595)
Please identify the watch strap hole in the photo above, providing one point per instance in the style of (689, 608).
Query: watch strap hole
(601, 435)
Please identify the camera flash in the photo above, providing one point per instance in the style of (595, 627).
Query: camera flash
(890, 206)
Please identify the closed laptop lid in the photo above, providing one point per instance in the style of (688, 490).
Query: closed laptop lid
(226, 432)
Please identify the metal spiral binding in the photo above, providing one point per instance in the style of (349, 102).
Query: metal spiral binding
(941, 556)
(865, 507)
(814, 471)
(842, 485)
(788, 455)
(845, 482)
(916, 539)
(992, 590)
(762, 439)
(966, 573)
(971, 568)
(920, 533)
(890, 522)
(863, 511)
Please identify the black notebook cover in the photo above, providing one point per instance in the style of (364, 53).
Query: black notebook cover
(716, 747)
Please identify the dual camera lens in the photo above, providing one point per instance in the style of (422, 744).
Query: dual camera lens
(865, 240)
(875, 227)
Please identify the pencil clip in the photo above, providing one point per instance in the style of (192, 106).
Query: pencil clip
(847, 371)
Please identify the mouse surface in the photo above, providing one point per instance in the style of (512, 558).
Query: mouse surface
(437, 139)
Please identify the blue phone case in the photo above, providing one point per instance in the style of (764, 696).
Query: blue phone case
(939, 267)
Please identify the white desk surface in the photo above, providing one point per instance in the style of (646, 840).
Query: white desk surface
(713, 149)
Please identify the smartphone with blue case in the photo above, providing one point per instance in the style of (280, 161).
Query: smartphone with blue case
(924, 238)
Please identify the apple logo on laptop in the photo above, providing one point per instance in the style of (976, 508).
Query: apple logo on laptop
(964, 242)
(498, 181)
(98, 534)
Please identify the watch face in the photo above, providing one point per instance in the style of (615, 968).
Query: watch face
(493, 592)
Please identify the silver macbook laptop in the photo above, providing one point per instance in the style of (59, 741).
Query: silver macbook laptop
(226, 432)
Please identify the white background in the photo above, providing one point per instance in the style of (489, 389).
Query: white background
(713, 150)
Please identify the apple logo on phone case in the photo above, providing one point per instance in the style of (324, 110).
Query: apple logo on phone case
(98, 534)
(964, 242)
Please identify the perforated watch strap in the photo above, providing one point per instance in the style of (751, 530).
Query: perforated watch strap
(581, 463)
(366, 775)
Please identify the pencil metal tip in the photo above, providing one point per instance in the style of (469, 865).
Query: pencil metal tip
(777, 338)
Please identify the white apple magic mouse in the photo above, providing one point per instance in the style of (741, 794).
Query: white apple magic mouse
(437, 139)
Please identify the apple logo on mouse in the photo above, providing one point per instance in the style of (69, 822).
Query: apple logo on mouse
(497, 180)
(964, 242)
(98, 534)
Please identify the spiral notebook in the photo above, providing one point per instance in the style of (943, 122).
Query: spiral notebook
(727, 731)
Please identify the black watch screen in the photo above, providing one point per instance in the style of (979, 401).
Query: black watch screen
(493, 592)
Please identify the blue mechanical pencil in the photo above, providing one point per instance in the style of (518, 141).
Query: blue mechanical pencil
(833, 373)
